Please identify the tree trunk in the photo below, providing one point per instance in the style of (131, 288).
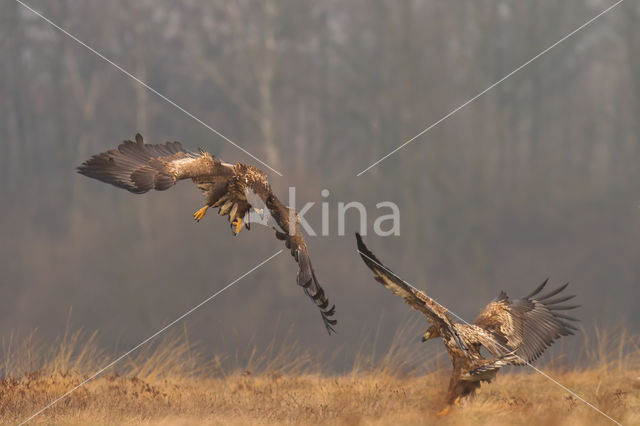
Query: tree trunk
(266, 76)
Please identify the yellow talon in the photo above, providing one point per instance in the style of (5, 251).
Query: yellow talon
(197, 216)
(238, 226)
(444, 411)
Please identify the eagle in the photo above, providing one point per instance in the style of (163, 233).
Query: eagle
(235, 189)
(512, 332)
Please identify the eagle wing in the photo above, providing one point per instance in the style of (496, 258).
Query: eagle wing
(287, 230)
(139, 167)
(526, 327)
(415, 298)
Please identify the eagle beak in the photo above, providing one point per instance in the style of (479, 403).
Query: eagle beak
(426, 336)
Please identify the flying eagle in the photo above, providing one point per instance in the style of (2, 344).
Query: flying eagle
(513, 332)
(235, 189)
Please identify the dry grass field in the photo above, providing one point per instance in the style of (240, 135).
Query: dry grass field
(171, 383)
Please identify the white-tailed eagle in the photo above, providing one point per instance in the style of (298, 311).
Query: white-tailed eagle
(513, 332)
(234, 188)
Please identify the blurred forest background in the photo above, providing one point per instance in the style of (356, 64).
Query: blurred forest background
(538, 178)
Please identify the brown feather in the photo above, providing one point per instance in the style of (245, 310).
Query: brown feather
(287, 221)
(415, 298)
(527, 326)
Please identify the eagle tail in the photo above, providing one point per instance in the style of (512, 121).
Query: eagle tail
(135, 166)
(488, 370)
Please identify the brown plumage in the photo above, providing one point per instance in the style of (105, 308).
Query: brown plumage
(234, 189)
(514, 332)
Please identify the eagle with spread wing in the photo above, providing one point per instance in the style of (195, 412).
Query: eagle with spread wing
(235, 189)
(513, 332)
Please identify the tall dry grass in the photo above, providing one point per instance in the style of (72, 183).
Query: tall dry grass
(172, 381)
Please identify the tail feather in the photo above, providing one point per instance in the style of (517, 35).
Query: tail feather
(492, 366)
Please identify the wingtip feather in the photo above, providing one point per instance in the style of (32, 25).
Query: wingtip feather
(563, 307)
(538, 289)
(552, 293)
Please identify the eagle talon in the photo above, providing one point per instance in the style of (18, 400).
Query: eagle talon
(197, 216)
(444, 411)
(237, 223)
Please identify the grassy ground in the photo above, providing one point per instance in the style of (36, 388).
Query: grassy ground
(168, 384)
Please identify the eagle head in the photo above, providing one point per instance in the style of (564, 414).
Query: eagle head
(431, 332)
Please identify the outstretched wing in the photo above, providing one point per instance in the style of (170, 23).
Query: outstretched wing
(287, 229)
(139, 167)
(526, 327)
(415, 298)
